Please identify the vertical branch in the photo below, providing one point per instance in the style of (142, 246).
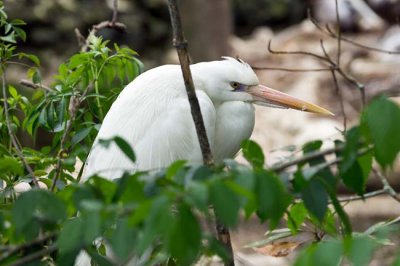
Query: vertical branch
(180, 44)
(115, 12)
(340, 96)
(12, 136)
(339, 34)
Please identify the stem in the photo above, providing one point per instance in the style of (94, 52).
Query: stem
(339, 33)
(99, 106)
(35, 256)
(309, 156)
(73, 110)
(11, 133)
(180, 44)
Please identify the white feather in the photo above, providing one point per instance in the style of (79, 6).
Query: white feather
(153, 115)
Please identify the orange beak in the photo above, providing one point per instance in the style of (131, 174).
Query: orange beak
(263, 95)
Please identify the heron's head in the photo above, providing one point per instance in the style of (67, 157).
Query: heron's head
(234, 80)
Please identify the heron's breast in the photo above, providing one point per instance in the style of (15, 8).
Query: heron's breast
(234, 123)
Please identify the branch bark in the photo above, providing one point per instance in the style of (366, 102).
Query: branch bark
(180, 44)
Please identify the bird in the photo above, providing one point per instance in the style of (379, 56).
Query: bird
(152, 114)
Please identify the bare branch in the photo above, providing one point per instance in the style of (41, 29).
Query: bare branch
(32, 85)
(339, 34)
(115, 12)
(180, 44)
(340, 96)
(296, 53)
(386, 186)
(329, 32)
(305, 158)
(363, 197)
(291, 69)
(35, 256)
(113, 24)
(9, 250)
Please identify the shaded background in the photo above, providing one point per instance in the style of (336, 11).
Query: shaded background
(243, 28)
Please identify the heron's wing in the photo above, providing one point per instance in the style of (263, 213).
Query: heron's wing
(157, 123)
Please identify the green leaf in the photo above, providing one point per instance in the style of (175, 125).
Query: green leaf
(198, 195)
(80, 135)
(104, 187)
(359, 249)
(354, 178)
(253, 153)
(13, 92)
(157, 222)
(10, 165)
(123, 239)
(33, 207)
(184, 246)
(272, 198)
(296, 216)
(122, 144)
(36, 78)
(9, 38)
(381, 122)
(226, 203)
(312, 146)
(328, 253)
(70, 238)
(174, 168)
(31, 57)
(314, 196)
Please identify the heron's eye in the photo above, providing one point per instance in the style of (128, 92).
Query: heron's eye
(235, 85)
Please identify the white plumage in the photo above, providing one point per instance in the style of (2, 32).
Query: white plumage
(153, 115)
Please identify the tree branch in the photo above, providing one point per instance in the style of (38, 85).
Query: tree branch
(35, 256)
(9, 250)
(180, 44)
(113, 24)
(29, 84)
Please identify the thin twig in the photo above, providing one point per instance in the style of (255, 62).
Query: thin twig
(11, 133)
(365, 196)
(386, 186)
(296, 53)
(113, 24)
(32, 85)
(307, 157)
(115, 12)
(329, 32)
(73, 110)
(35, 256)
(340, 96)
(9, 250)
(339, 34)
(291, 69)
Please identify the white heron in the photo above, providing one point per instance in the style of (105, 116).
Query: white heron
(153, 115)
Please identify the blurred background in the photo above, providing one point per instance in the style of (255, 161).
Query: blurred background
(215, 28)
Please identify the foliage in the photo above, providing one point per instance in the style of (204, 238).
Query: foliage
(160, 219)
